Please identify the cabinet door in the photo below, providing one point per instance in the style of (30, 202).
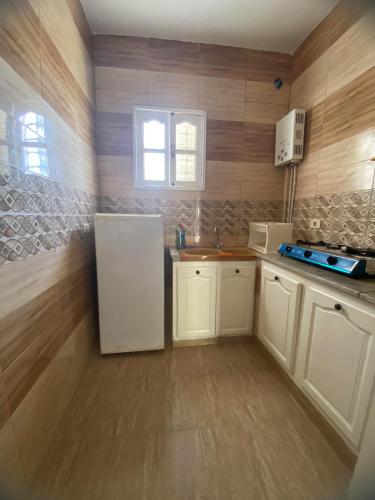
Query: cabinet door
(236, 299)
(279, 310)
(336, 357)
(196, 302)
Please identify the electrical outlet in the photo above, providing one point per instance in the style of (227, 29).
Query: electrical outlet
(315, 223)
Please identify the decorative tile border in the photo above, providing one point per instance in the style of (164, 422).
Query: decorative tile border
(38, 214)
(346, 218)
(199, 216)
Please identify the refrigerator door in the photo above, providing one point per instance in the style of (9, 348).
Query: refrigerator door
(130, 273)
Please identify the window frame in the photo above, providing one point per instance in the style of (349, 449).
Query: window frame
(170, 182)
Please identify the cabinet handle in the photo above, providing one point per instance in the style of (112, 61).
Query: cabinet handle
(338, 307)
(276, 278)
(237, 271)
(197, 272)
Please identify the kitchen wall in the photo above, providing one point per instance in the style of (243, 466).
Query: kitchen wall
(333, 78)
(48, 190)
(235, 87)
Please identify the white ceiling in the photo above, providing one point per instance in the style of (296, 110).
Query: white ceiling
(279, 25)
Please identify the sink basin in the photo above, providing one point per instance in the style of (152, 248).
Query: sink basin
(200, 251)
(239, 253)
(236, 251)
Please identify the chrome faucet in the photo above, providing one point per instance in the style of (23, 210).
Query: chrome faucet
(219, 244)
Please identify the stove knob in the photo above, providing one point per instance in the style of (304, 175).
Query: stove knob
(332, 260)
(307, 253)
(289, 249)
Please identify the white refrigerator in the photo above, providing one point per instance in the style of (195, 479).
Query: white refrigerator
(130, 273)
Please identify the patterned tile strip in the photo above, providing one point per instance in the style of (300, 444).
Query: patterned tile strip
(38, 214)
(346, 218)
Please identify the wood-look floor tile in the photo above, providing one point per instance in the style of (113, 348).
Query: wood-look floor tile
(213, 422)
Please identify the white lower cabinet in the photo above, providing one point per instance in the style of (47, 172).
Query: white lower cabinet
(212, 299)
(279, 311)
(196, 302)
(235, 299)
(336, 357)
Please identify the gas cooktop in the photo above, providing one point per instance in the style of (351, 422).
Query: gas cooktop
(350, 261)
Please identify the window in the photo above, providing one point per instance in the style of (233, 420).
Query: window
(35, 158)
(169, 148)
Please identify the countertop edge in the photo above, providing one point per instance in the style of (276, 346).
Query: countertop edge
(362, 288)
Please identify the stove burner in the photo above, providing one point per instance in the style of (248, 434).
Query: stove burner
(363, 252)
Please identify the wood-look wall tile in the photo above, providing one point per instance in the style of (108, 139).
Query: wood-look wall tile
(72, 258)
(23, 280)
(4, 410)
(222, 98)
(117, 101)
(344, 15)
(309, 89)
(307, 175)
(259, 139)
(264, 182)
(225, 141)
(236, 171)
(351, 110)
(314, 128)
(22, 374)
(36, 418)
(59, 88)
(267, 93)
(121, 79)
(342, 178)
(57, 19)
(81, 23)
(355, 149)
(20, 43)
(224, 88)
(222, 61)
(128, 52)
(352, 54)
(76, 295)
(264, 66)
(115, 166)
(21, 327)
(173, 56)
(115, 175)
(172, 83)
(72, 298)
(260, 112)
(339, 20)
(114, 134)
(222, 109)
(172, 100)
(217, 190)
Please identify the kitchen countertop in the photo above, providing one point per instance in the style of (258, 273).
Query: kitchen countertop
(363, 288)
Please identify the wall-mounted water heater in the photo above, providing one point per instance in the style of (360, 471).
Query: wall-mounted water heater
(290, 132)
